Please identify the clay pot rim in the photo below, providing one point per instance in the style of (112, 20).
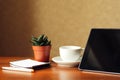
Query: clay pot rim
(41, 47)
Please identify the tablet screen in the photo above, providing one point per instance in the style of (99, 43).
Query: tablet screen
(102, 52)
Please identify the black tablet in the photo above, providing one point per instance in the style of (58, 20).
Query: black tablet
(102, 51)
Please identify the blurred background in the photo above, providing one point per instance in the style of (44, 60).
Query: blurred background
(65, 22)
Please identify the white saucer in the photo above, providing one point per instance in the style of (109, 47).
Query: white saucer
(60, 62)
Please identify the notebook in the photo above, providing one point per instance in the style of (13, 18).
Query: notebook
(29, 63)
(26, 65)
(102, 51)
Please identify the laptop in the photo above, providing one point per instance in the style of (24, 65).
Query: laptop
(102, 51)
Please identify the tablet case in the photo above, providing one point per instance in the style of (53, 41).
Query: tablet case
(102, 51)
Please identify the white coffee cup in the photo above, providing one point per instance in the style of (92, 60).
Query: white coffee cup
(70, 53)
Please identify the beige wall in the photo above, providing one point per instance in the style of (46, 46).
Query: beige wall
(66, 22)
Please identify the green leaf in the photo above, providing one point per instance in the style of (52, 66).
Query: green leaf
(42, 40)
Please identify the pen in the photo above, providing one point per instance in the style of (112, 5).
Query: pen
(18, 69)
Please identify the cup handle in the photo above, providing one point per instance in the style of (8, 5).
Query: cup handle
(82, 51)
(83, 48)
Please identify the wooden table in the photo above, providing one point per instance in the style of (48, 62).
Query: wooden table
(53, 73)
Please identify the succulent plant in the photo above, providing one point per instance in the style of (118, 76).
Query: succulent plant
(41, 40)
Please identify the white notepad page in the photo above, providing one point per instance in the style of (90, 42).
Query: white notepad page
(27, 63)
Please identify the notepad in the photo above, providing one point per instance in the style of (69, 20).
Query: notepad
(27, 65)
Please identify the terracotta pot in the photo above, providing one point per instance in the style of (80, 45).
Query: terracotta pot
(41, 53)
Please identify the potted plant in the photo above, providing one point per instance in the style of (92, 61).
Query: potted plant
(41, 48)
